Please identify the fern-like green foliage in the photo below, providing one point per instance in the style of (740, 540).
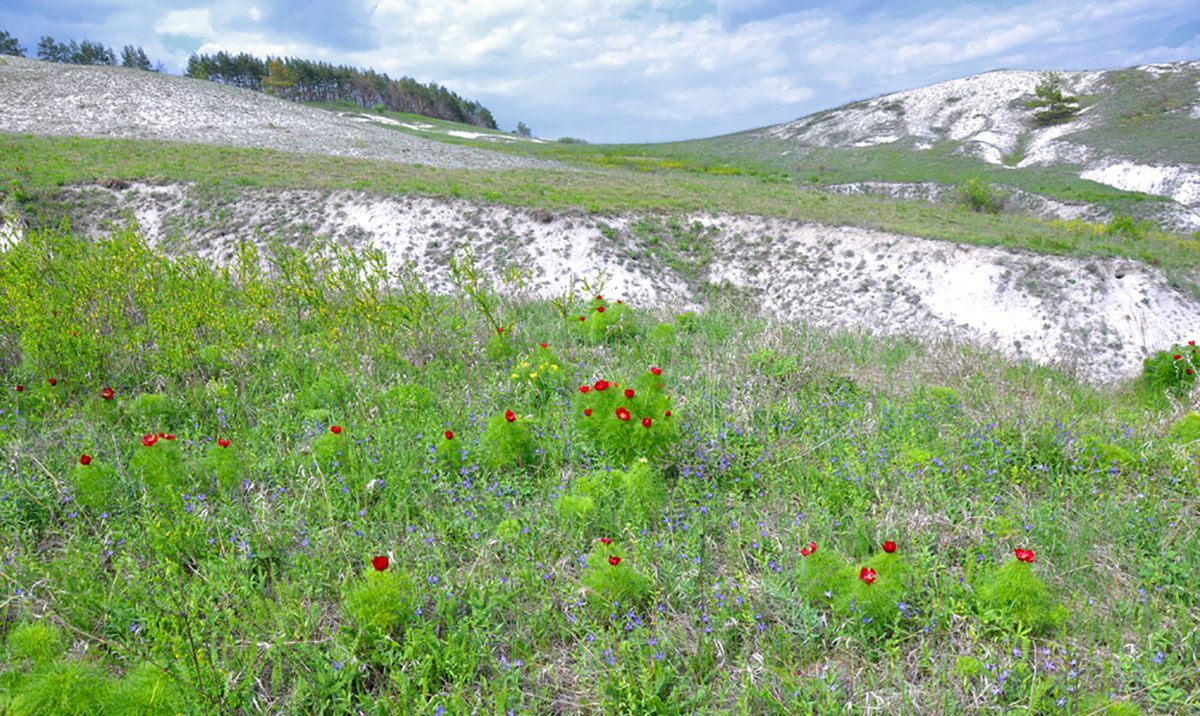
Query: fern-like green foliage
(610, 585)
(823, 576)
(160, 468)
(147, 690)
(603, 502)
(1015, 595)
(603, 321)
(1187, 430)
(334, 450)
(226, 465)
(382, 602)
(877, 603)
(95, 487)
(1099, 705)
(35, 643)
(449, 453)
(61, 688)
(1172, 370)
(508, 443)
(627, 426)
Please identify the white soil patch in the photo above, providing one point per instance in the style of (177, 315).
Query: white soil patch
(1096, 318)
(1181, 182)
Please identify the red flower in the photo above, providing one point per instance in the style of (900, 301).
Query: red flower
(623, 414)
(223, 442)
(1024, 555)
(1190, 371)
(606, 541)
(149, 440)
(1178, 357)
(587, 412)
(107, 393)
(645, 422)
(668, 414)
(20, 389)
(655, 370)
(449, 434)
(335, 429)
(599, 297)
(582, 319)
(85, 459)
(1191, 343)
(889, 546)
(867, 575)
(53, 381)
(808, 549)
(629, 392)
(618, 301)
(585, 389)
(168, 436)
(510, 416)
(500, 330)
(544, 345)
(600, 385)
(379, 562)
(613, 560)
(599, 309)
(161, 434)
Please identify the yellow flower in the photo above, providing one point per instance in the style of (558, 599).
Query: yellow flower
(533, 375)
(515, 376)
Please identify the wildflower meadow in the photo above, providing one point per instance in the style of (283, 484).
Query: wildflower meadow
(303, 483)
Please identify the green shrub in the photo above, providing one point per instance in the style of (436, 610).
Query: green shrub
(64, 688)
(604, 501)
(539, 373)
(1099, 705)
(980, 197)
(1014, 594)
(628, 421)
(331, 390)
(880, 602)
(146, 690)
(149, 410)
(603, 321)
(381, 602)
(1187, 430)
(94, 486)
(158, 464)
(500, 346)
(36, 643)
(226, 463)
(508, 441)
(1173, 370)
(610, 584)
(334, 449)
(449, 452)
(822, 574)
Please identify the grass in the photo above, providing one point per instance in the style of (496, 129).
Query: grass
(49, 163)
(248, 581)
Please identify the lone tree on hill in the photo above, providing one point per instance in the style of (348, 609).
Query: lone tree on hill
(9, 45)
(1054, 106)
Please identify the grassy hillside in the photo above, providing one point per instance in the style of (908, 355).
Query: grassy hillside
(37, 166)
(541, 558)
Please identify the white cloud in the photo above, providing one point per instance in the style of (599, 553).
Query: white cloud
(194, 23)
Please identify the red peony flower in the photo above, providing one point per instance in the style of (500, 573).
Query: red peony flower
(889, 546)
(223, 442)
(510, 416)
(623, 414)
(20, 389)
(53, 381)
(599, 309)
(449, 434)
(379, 562)
(645, 422)
(85, 459)
(867, 575)
(582, 319)
(1191, 343)
(500, 330)
(629, 392)
(544, 345)
(1190, 371)
(613, 560)
(606, 541)
(587, 412)
(335, 429)
(149, 440)
(168, 436)
(667, 414)
(655, 370)
(1178, 357)
(600, 385)
(585, 389)
(808, 549)
(599, 297)
(107, 393)
(1024, 555)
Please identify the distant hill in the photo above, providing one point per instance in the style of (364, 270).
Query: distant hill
(1137, 131)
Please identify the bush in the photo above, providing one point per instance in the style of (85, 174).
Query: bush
(611, 580)
(980, 197)
(878, 601)
(1173, 370)
(603, 321)
(159, 466)
(630, 422)
(94, 486)
(65, 688)
(1014, 594)
(36, 643)
(822, 575)
(508, 441)
(381, 602)
(604, 501)
(147, 690)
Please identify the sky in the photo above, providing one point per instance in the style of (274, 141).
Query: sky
(642, 70)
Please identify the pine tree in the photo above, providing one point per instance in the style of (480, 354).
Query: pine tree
(9, 45)
(1054, 106)
(135, 57)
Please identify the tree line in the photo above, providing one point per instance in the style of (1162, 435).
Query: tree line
(309, 81)
(84, 52)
